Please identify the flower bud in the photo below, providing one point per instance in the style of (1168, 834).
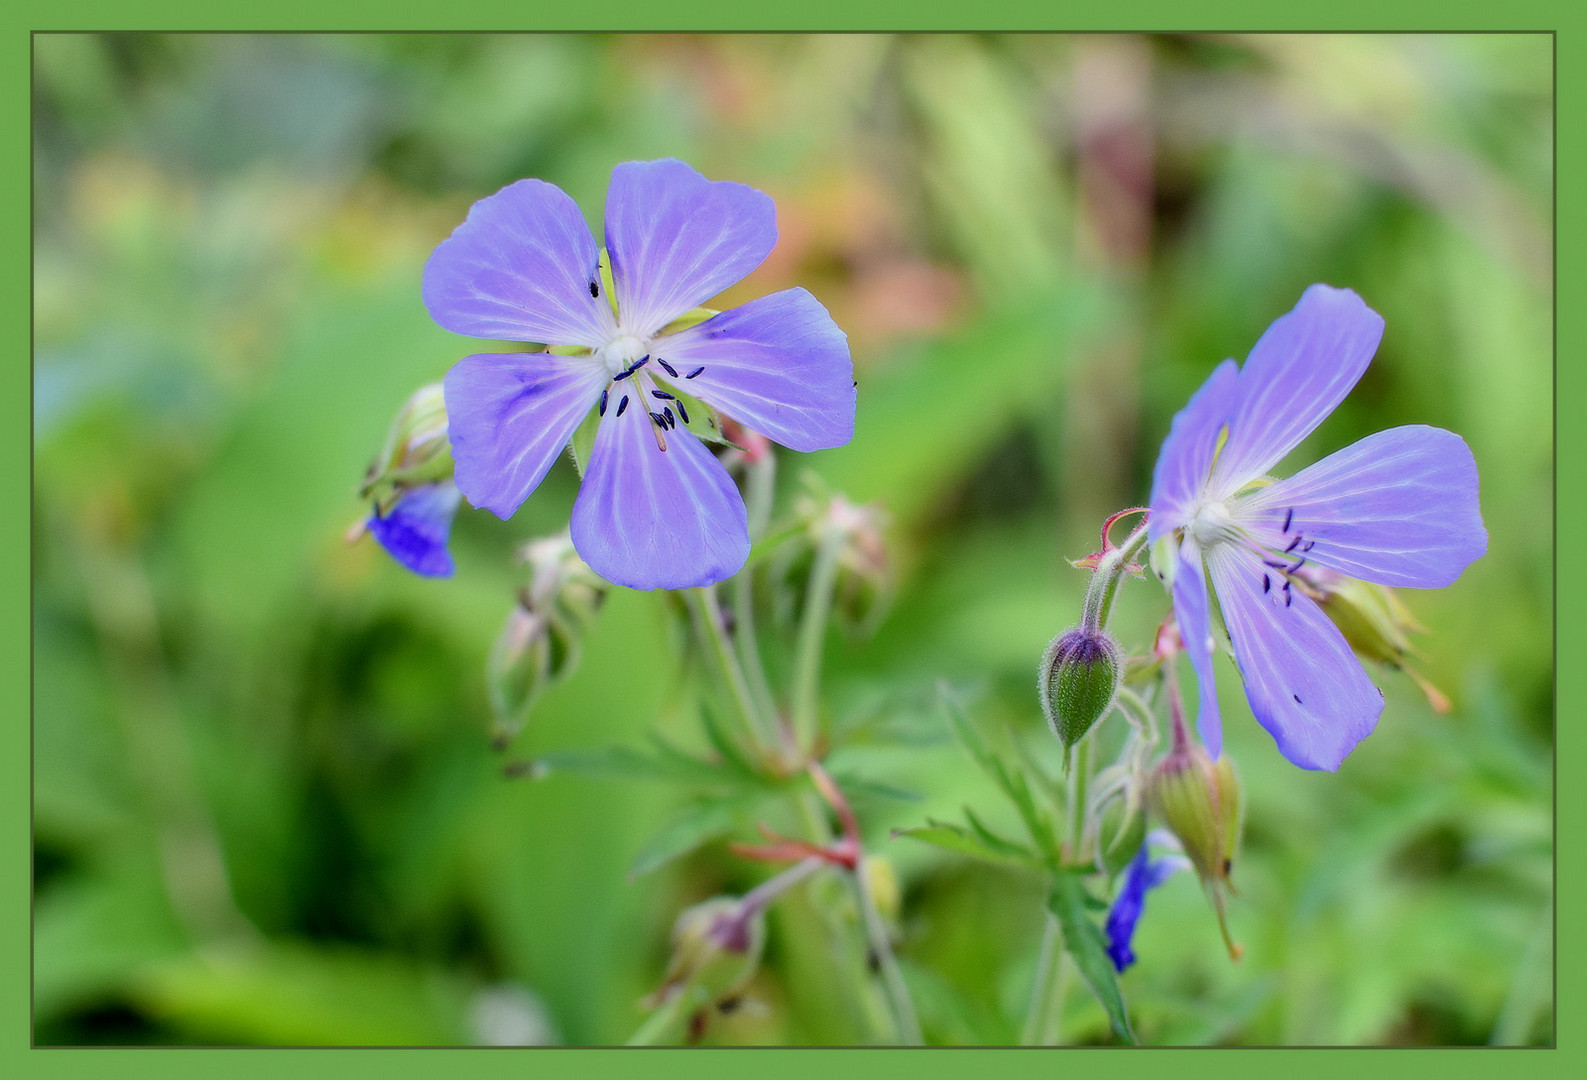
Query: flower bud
(716, 947)
(1078, 678)
(542, 637)
(862, 584)
(1374, 621)
(1120, 833)
(416, 452)
(1199, 800)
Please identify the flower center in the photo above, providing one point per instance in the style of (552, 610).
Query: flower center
(620, 353)
(1213, 524)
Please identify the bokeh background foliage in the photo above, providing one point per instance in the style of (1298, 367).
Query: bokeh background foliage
(265, 807)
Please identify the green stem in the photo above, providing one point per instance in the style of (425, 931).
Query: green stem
(704, 600)
(905, 1024)
(1041, 991)
(1079, 777)
(812, 630)
(747, 642)
(1105, 581)
(658, 1026)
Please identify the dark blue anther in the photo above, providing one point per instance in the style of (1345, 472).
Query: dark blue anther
(621, 375)
(668, 397)
(1309, 545)
(1287, 596)
(693, 373)
(671, 420)
(668, 368)
(1289, 515)
(1267, 583)
(683, 412)
(603, 400)
(1293, 544)
(621, 405)
(661, 421)
(1298, 564)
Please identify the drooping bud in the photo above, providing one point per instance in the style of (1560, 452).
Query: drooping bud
(1199, 800)
(542, 637)
(1078, 679)
(1374, 620)
(716, 947)
(416, 451)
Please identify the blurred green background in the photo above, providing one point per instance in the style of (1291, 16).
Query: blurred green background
(265, 809)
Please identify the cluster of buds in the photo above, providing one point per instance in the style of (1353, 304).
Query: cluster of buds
(542, 637)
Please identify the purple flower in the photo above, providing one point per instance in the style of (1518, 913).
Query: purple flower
(417, 527)
(1398, 508)
(656, 510)
(1141, 874)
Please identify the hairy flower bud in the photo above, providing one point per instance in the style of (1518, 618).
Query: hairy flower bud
(541, 639)
(1078, 679)
(1199, 800)
(716, 947)
(416, 451)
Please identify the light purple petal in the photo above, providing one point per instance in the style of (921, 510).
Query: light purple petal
(1194, 617)
(1298, 373)
(779, 365)
(509, 415)
(417, 528)
(520, 269)
(1303, 682)
(677, 239)
(653, 519)
(1398, 508)
(1185, 460)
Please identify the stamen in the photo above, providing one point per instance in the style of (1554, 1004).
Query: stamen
(683, 412)
(668, 368)
(1287, 596)
(661, 421)
(1293, 544)
(635, 366)
(1289, 515)
(1298, 564)
(668, 397)
(621, 405)
(1309, 545)
(693, 373)
(1267, 583)
(671, 421)
(603, 400)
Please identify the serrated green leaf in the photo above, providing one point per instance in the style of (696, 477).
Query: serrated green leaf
(697, 825)
(1070, 901)
(1011, 781)
(963, 841)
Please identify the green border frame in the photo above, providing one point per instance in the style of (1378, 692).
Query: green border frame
(27, 16)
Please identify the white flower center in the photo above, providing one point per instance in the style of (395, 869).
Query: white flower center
(620, 353)
(1213, 524)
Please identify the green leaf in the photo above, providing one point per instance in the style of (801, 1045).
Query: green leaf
(625, 762)
(1012, 782)
(984, 846)
(698, 824)
(1070, 901)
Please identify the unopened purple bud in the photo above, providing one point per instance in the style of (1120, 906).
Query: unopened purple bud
(1078, 679)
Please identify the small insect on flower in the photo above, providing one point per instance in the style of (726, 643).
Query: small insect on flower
(656, 510)
(1398, 508)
